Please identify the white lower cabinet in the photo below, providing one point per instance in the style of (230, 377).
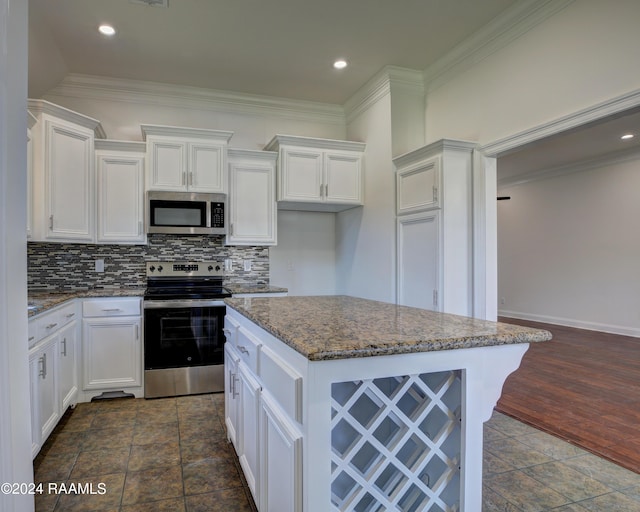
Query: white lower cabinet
(268, 441)
(45, 408)
(281, 457)
(111, 345)
(231, 406)
(52, 369)
(68, 374)
(248, 427)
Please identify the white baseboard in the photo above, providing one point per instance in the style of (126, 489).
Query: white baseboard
(569, 322)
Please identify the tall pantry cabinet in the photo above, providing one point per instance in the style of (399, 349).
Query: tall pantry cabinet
(434, 223)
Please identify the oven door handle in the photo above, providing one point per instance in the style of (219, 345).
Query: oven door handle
(182, 303)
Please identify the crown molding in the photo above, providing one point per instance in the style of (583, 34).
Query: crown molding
(178, 131)
(256, 154)
(37, 107)
(596, 112)
(381, 84)
(433, 149)
(313, 142)
(612, 158)
(120, 145)
(154, 93)
(508, 26)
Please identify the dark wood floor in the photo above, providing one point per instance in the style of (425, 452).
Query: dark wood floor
(583, 386)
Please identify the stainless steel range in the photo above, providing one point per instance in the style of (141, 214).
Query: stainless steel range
(183, 328)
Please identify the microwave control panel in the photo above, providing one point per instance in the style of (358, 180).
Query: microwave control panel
(217, 215)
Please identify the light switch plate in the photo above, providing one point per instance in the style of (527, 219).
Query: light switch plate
(99, 265)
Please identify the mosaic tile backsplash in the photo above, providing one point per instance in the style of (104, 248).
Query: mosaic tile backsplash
(54, 266)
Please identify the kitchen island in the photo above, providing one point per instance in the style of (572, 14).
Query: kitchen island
(340, 403)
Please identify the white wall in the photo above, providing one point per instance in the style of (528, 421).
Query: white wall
(15, 418)
(304, 261)
(366, 245)
(568, 249)
(577, 58)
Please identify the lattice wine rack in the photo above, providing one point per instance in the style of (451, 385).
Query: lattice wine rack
(396, 443)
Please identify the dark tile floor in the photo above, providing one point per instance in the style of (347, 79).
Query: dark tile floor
(171, 455)
(151, 455)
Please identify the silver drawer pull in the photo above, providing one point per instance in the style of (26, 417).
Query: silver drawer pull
(243, 349)
(111, 310)
(51, 326)
(31, 338)
(64, 347)
(70, 315)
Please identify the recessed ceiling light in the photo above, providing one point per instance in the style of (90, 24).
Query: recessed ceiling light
(340, 64)
(627, 136)
(107, 30)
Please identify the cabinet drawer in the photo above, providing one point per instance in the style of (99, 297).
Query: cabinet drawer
(33, 332)
(48, 323)
(111, 307)
(282, 381)
(249, 347)
(231, 330)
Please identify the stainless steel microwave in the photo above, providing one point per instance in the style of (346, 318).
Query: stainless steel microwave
(186, 213)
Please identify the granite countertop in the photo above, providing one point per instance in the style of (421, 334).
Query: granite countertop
(341, 327)
(42, 300)
(253, 288)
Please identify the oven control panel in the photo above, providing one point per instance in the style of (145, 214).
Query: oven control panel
(190, 268)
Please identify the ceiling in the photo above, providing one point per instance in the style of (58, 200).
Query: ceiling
(280, 48)
(283, 48)
(588, 142)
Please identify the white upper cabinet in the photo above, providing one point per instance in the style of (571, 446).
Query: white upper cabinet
(31, 122)
(63, 174)
(186, 159)
(120, 191)
(318, 174)
(252, 204)
(418, 186)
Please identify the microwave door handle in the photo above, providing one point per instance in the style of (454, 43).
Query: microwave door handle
(208, 219)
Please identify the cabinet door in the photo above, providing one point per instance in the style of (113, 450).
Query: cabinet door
(248, 427)
(252, 204)
(166, 165)
(419, 260)
(29, 182)
(343, 177)
(280, 460)
(418, 187)
(121, 198)
(69, 181)
(112, 353)
(36, 431)
(206, 168)
(300, 175)
(47, 391)
(231, 394)
(67, 367)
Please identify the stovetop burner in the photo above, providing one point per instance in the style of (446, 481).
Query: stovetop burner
(185, 280)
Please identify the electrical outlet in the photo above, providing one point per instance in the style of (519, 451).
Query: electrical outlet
(290, 266)
(99, 265)
(247, 265)
(502, 300)
(228, 265)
